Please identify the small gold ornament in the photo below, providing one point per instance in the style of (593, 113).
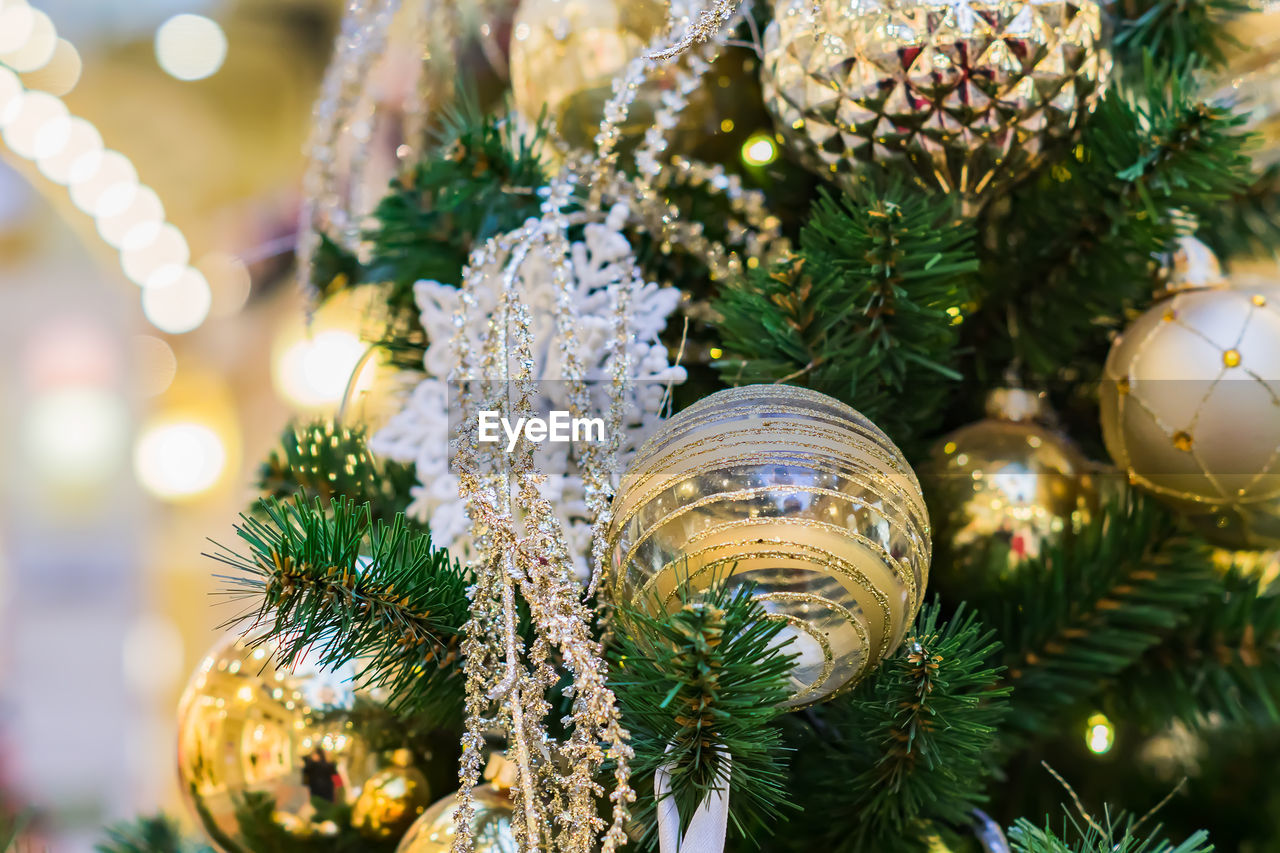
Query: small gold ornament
(262, 744)
(565, 55)
(1190, 406)
(392, 800)
(490, 824)
(967, 94)
(791, 490)
(1008, 482)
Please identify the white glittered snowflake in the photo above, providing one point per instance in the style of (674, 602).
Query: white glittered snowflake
(420, 432)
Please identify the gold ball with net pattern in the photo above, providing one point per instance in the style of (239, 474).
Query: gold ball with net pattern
(1191, 410)
(795, 492)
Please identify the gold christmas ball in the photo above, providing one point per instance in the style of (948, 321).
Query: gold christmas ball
(392, 800)
(1190, 407)
(967, 96)
(565, 55)
(264, 750)
(490, 824)
(795, 492)
(1002, 489)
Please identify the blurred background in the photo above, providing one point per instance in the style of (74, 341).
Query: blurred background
(151, 348)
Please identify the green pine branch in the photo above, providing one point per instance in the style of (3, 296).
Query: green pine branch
(1224, 665)
(157, 834)
(1069, 252)
(332, 583)
(911, 747)
(1249, 225)
(1177, 33)
(865, 311)
(324, 460)
(700, 686)
(1111, 835)
(1091, 607)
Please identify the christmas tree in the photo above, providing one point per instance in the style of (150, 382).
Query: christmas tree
(975, 553)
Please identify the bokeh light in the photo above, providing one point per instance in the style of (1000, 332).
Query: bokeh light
(147, 252)
(109, 190)
(154, 364)
(178, 460)
(190, 47)
(34, 110)
(39, 39)
(314, 371)
(180, 303)
(60, 74)
(759, 150)
(1100, 734)
(76, 435)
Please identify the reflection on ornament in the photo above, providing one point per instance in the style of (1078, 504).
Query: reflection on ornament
(967, 95)
(793, 491)
(565, 55)
(392, 800)
(490, 824)
(1006, 482)
(1249, 83)
(984, 836)
(266, 750)
(1191, 410)
(1191, 266)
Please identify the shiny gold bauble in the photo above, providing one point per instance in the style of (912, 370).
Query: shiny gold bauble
(392, 800)
(795, 492)
(565, 55)
(261, 743)
(966, 96)
(1002, 489)
(490, 824)
(1190, 404)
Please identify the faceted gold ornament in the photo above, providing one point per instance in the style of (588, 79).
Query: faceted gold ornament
(262, 749)
(1199, 423)
(795, 492)
(1002, 489)
(565, 55)
(490, 824)
(965, 94)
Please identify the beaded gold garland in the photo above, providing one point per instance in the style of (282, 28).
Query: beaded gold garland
(795, 492)
(1190, 410)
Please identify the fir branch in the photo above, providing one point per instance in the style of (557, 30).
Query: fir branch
(1068, 253)
(1222, 666)
(1090, 607)
(701, 684)
(866, 310)
(912, 744)
(158, 834)
(1111, 835)
(1177, 33)
(334, 584)
(1249, 224)
(323, 460)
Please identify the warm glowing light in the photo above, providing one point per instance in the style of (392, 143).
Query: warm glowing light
(154, 364)
(76, 435)
(190, 47)
(38, 43)
(314, 372)
(150, 255)
(109, 190)
(62, 72)
(1099, 735)
(33, 112)
(11, 95)
(17, 22)
(229, 280)
(179, 302)
(759, 150)
(144, 213)
(179, 459)
(245, 694)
